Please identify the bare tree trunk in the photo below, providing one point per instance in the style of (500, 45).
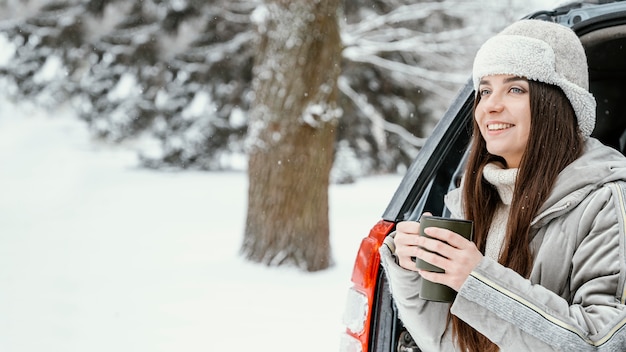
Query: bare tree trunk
(292, 133)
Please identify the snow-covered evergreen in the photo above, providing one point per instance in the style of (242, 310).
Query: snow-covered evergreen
(176, 74)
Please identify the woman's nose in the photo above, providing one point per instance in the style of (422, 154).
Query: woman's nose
(492, 103)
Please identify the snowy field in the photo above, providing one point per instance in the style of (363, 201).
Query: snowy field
(97, 254)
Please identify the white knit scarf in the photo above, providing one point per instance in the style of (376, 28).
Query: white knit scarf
(504, 181)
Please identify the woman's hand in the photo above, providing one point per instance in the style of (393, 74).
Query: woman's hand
(457, 256)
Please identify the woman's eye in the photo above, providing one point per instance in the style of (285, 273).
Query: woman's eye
(517, 90)
(484, 92)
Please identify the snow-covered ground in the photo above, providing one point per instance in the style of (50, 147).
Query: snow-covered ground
(97, 254)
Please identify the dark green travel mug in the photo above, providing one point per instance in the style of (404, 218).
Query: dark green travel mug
(433, 291)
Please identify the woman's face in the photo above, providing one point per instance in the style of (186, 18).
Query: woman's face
(503, 116)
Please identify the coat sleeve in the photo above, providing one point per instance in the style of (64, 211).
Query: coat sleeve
(426, 321)
(519, 315)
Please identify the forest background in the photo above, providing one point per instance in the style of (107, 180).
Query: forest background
(172, 79)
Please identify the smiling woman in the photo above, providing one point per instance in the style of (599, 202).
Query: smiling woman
(541, 192)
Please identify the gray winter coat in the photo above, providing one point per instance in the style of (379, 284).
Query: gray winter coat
(575, 297)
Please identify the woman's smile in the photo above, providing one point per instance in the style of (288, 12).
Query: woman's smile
(499, 126)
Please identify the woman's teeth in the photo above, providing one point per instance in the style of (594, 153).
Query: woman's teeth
(498, 126)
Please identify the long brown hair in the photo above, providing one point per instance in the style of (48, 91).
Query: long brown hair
(553, 143)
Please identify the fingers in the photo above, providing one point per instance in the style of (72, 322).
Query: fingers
(408, 227)
(443, 247)
(405, 240)
(454, 282)
(457, 258)
(427, 214)
(409, 244)
(406, 249)
(451, 238)
(437, 253)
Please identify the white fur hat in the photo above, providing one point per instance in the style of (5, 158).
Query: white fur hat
(541, 51)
